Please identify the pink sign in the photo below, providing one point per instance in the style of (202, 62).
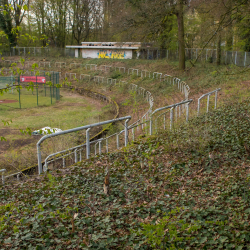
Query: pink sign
(38, 79)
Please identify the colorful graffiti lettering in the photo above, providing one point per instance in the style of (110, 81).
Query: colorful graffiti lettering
(103, 54)
(113, 54)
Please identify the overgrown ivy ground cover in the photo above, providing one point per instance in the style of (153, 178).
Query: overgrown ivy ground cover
(185, 189)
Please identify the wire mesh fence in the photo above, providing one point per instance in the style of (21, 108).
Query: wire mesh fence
(42, 52)
(6, 81)
(239, 58)
(29, 90)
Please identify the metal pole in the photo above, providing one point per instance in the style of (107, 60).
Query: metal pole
(187, 112)
(39, 157)
(76, 160)
(19, 92)
(215, 101)
(53, 86)
(171, 118)
(150, 126)
(36, 92)
(198, 109)
(87, 144)
(117, 141)
(126, 132)
(50, 95)
(208, 102)
(100, 147)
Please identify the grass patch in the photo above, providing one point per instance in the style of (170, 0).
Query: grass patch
(28, 99)
(71, 111)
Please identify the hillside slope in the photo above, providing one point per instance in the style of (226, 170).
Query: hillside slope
(197, 175)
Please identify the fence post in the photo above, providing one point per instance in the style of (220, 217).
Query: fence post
(171, 118)
(208, 102)
(117, 141)
(215, 101)
(87, 144)
(150, 126)
(245, 59)
(235, 58)
(198, 109)
(76, 160)
(107, 146)
(187, 111)
(100, 147)
(126, 132)
(19, 92)
(36, 92)
(39, 157)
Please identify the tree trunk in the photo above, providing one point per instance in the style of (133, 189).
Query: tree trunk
(181, 43)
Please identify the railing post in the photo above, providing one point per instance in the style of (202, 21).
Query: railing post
(198, 108)
(208, 102)
(171, 118)
(80, 155)
(63, 162)
(39, 157)
(107, 146)
(126, 132)
(215, 101)
(87, 144)
(117, 141)
(133, 134)
(187, 111)
(100, 147)
(150, 126)
(164, 121)
(76, 160)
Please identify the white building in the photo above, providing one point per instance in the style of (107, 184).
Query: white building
(106, 50)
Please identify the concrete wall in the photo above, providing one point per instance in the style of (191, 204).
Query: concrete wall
(107, 53)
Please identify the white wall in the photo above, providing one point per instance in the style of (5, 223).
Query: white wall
(76, 53)
(107, 53)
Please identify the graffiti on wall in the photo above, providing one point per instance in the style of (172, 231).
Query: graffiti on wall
(113, 54)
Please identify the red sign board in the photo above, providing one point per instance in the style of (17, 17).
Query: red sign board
(38, 79)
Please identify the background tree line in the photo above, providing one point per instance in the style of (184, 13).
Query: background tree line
(166, 24)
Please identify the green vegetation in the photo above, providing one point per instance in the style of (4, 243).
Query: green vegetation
(28, 99)
(19, 147)
(69, 112)
(185, 189)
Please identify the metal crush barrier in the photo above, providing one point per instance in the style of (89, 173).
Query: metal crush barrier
(143, 124)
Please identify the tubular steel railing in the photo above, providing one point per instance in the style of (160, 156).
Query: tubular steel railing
(208, 98)
(144, 123)
(171, 107)
(87, 128)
